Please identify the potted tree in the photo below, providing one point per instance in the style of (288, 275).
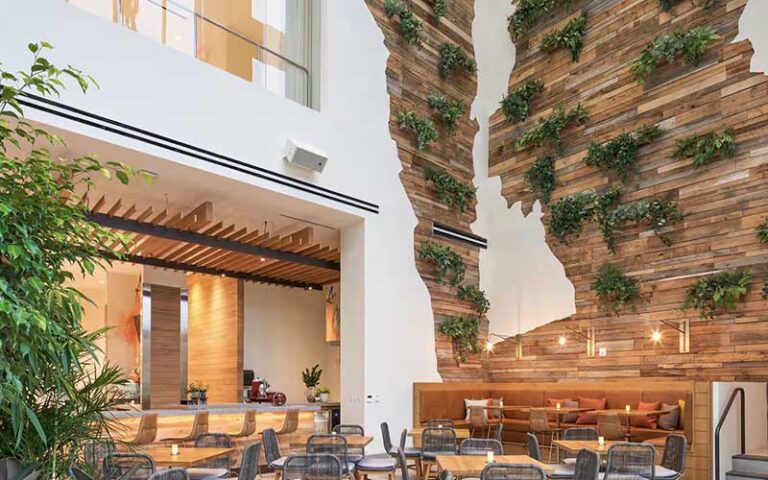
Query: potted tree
(311, 380)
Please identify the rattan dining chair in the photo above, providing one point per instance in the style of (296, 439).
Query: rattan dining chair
(333, 445)
(170, 474)
(675, 450)
(478, 421)
(480, 446)
(609, 426)
(275, 460)
(313, 467)
(95, 451)
(249, 464)
(538, 422)
(199, 426)
(631, 461)
(218, 467)
(587, 466)
(355, 454)
(578, 433)
(434, 442)
(510, 471)
(147, 431)
(129, 466)
(441, 423)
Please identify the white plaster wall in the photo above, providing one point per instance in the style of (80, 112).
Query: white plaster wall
(389, 339)
(525, 282)
(752, 27)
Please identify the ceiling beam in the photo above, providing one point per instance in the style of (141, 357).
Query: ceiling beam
(169, 233)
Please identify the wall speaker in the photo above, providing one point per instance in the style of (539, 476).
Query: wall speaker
(304, 156)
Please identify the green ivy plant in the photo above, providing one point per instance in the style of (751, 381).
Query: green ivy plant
(718, 292)
(464, 333)
(655, 213)
(548, 129)
(517, 104)
(706, 148)
(762, 231)
(620, 153)
(449, 190)
(570, 37)
(690, 45)
(528, 13)
(764, 291)
(449, 264)
(667, 5)
(476, 296)
(706, 5)
(450, 110)
(439, 8)
(540, 179)
(614, 288)
(451, 56)
(410, 25)
(568, 214)
(424, 128)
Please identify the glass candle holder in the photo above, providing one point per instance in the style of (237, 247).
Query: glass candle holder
(489, 457)
(601, 441)
(174, 449)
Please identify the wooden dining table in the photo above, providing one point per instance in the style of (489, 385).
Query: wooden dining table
(557, 412)
(573, 446)
(461, 433)
(353, 441)
(472, 465)
(187, 457)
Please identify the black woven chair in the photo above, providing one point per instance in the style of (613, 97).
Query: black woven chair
(675, 450)
(441, 423)
(355, 454)
(272, 455)
(333, 445)
(249, 464)
(587, 465)
(312, 467)
(480, 446)
(533, 446)
(578, 433)
(446, 475)
(95, 451)
(509, 471)
(434, 442)
(631, 461)
(403, 463)
(129, 466)
(215, 468)
(170, 474)
(410, 452)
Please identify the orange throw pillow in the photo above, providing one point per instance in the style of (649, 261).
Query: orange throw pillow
(587, 418)
(647, 421)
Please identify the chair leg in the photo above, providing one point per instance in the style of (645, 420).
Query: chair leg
(278, 474)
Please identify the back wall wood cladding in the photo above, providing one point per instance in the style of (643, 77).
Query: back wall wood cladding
(215, 348)
(413, 75)
(165, 365)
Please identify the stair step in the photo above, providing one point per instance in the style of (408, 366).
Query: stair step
(750, 463)
(737, 475)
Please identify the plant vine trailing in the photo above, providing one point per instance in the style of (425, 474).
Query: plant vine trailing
(571, 37)
(517, 104)
(620, 153)
(528, 13)
(690, 45)
(568, 214)
(706, 148)
(548, 129)
(614, 288)
(706, 5)
(439, 8)
(764, 291)
(667, 5)
(450, 110)
(410, 25)
(449, 264)
(540, 179)
(424, 128)
(449, 190)
(476, 296)
(762, 231)
(465, 335)
(718, 292)
(451, 56)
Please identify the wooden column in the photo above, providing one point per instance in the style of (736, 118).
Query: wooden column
(163, 345)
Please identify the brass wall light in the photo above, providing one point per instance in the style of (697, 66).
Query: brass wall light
(587, 334)
(683, 328)
(518, 344)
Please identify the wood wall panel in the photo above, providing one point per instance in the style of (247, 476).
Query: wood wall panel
(165, 364)
(215, 341)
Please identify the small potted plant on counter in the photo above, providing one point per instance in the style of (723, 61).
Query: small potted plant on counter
(324, 394)
(198, 392)
(311, 380)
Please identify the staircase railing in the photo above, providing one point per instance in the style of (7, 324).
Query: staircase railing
(738, 391)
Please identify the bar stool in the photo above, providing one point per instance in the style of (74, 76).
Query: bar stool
(290, 423)
(199, 426)
(147, 431)
(248, 429)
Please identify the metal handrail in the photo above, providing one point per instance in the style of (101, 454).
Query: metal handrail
(737, 391)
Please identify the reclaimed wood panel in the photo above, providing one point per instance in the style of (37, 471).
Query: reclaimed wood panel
(165, 360)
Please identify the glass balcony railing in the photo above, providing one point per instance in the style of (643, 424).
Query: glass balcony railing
(265, 42)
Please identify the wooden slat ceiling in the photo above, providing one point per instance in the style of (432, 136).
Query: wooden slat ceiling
(192, 256)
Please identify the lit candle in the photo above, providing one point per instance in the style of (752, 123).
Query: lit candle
(601, 441)
(489, 457)
(627, 407)
(501, 402)
(557, 406)
(174, 449)
(439, 425)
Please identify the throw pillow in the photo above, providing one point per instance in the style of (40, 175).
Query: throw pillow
(588, 418)
(647, 421)
(671, 420)
(475, 403)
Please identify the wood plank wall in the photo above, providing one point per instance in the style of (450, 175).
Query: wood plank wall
(215, 341)
(412, 75)
(165, 364)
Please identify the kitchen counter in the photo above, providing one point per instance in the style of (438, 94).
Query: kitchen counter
(212, 409)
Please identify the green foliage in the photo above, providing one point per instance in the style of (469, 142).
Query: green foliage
(451, 56)
(439, 8)
(311, 377)
(762, 231)
(718, 292)
(528, 13)
(764, 291)
(704, 149)
(477, 297)
(450, 110)
(197, 386)
(449, 190)
(656, 213)
(548, 129)
(667, 5)
(615, 289)
(706, 5)
(568, 214)
(540, 179)
(571, 37)
(689, 45)
(424, 128)
(465, 335)
(448, 262)
(53, 387)
(410, 25)
(620, 153)
(517, 105)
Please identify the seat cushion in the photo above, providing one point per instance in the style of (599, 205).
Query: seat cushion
(206, 473)
(278, 464)
(663, 472)
(377, 463)
(410, 452)
(354, 457)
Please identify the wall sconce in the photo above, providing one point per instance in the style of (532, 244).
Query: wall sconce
(518, 344)
(683, 328)
(588, 335)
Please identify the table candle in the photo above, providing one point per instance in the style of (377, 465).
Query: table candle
(557, 406)
(627, 407)
(440, 425)
(501, 402)
(174, 449)
(601, 441)
(489, 457)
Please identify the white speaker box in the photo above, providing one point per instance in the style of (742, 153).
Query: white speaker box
(304, 156)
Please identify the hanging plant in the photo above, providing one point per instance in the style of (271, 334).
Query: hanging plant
(476, 296)
(690, 45)
(571, 37)
(410, 25)
(706, 148)
(667, 5)
(568, 214)
(449, 264)
(614, 288)
(762, 231)
(449, 190)
(718, 292)
(548, 129)
(620, 153)
(439, 8)
(706, 5)
(764, 291)
(425, 130)
(528, 13)
(451, 56)
(540, 179)
(465, 335)
(449, 109)
(517, 105)
(656, 213)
